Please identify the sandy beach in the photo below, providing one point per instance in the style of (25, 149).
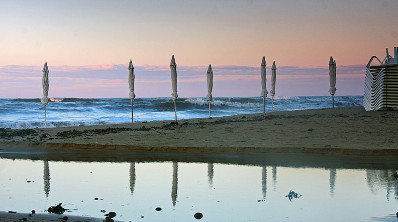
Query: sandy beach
(348, 131)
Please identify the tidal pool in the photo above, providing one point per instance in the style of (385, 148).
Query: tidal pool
(220, 191)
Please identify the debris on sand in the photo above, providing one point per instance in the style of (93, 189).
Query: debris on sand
(293, 195)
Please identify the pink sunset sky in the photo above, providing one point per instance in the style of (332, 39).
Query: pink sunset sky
(88, 45)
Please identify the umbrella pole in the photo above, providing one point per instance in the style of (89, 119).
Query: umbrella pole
(132, 112)
(272, 103)
(209, 111)
(264, 106)
(45, 116)
(175, 110)
(333, 100)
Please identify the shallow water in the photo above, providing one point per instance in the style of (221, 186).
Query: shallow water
(222, 192)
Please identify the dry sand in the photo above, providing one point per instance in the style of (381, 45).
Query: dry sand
(349, 130)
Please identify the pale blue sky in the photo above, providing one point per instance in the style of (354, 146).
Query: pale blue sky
(301, 34)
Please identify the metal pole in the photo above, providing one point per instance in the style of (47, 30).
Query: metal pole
(132, 112)
(272, 103)
(175, 110)
(45, 116)
(333, 100)
(264, 106)
(209, 111)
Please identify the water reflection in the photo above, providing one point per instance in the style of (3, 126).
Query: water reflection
(132, 177)
(210, 174)
(264, 181)
(380, 179)
(332, 181)
(274, 176)
(174, 183)
(317, 185)
(46, 178)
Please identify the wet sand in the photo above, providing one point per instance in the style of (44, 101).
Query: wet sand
(345, 131)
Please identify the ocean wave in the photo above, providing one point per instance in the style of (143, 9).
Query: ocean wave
(63, 112)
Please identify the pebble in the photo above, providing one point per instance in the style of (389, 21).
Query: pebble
(198, 216)
(158, 209)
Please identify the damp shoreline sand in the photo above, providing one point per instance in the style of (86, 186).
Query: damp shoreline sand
(346, 131)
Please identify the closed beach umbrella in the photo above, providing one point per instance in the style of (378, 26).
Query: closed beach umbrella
(173, 68)
(131, 86)
(209, 86)
(46, 86)
(264, 91)
(332, 77)
(273, 81)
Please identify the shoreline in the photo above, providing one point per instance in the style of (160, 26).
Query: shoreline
(341, 131)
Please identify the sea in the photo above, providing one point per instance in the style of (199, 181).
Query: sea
(63, 112)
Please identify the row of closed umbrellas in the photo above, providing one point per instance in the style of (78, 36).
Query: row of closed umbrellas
(173, 68)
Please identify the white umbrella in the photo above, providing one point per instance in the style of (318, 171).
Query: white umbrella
(209, 86)
(273, 80)
(131, 86)
(264, 91)
(332, 77)
(46, 86)
(173, 68)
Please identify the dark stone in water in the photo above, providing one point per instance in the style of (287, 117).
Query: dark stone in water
(292, 195)
(158, 209)
(12, 212)
(64, 218)
(395, 175)
(57, 209)
(110, 214)
(198, 216)
(33, 211)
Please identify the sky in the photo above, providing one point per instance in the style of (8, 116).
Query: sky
(88, 45)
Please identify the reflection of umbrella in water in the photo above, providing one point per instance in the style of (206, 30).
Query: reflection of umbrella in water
(264, 91)
(173, 68)
(46, 178)
(210, 173)
(132, 177)
(264, 181)
(332, 181)
(46, 86)
(131, 87)
(174, 184)
(274, 176)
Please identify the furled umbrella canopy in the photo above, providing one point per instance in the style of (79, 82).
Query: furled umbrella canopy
(209, 86)
(332, 77)
(273, 81)
(264, 91)
(131, 87)
(173, 68)
(131, 80)
(209, 83)
(46, 86)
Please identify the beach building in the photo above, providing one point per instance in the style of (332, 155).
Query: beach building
(381, 83)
